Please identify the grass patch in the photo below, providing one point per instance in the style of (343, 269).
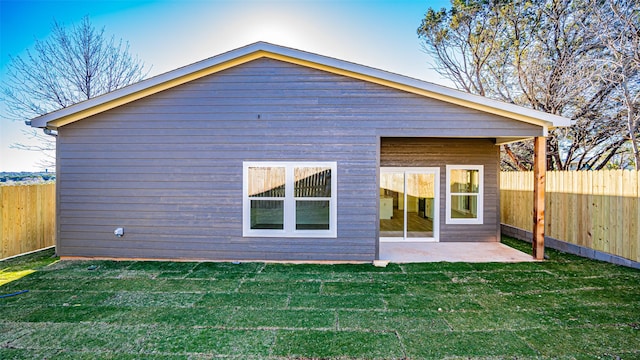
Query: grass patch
(216, 270)
(591, 342)
(463, 344)
(189, 317)
(353, 301)
(565, 307)
(283, 319)
(152, 299)
(328, 344)
(350, 288)
(243, 300)
(280, 287)
(389, 320)
(443, 302)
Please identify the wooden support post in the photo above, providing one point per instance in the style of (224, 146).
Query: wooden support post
(539, 174)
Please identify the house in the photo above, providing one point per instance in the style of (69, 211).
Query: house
(272, 153)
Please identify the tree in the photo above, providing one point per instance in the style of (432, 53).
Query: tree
(535, 54)
(616, 24)
(72, 65)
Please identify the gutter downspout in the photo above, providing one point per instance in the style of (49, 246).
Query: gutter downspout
(47, 131)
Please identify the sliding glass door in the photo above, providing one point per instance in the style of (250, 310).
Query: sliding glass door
(409, 202)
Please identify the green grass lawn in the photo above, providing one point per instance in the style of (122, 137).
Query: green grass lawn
(566, 307)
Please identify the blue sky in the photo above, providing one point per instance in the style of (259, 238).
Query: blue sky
(167, 34)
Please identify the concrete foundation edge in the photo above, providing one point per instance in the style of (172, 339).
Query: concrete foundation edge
(569, 248)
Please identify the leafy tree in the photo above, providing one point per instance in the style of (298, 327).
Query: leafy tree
(72, 65)
(536, 54)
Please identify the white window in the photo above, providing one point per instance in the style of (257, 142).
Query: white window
(465, 192)
(289, 199)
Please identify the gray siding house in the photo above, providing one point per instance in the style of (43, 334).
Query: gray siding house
(272, 153)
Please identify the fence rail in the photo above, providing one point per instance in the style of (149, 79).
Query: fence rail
(27, 218)
(595, 209)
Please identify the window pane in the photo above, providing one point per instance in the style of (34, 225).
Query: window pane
(465, 181)
(312, 215)
(392, 204)
(267, 214)
(266, 181)
(464, 206)
(420, 205)
(312, 182)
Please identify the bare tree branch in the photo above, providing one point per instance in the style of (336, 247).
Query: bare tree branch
(72, 65)
(616, 24)
(544, 54)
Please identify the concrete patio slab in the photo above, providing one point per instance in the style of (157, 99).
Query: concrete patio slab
(406, 252)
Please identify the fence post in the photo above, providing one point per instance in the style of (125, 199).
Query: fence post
(539, 173)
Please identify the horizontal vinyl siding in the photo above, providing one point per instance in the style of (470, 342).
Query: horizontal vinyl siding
(168, 168)
(437, 152)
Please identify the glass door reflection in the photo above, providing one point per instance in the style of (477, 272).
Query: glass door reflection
(409, 204)
(392, 204)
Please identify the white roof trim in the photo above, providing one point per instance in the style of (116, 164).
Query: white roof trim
(543, 119)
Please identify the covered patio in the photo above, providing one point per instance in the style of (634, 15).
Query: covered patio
(407, 252)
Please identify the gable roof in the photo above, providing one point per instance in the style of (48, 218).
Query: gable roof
(258, 50)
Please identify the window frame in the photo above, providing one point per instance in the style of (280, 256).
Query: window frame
(436, 202)
(289, 217)
(479, 219)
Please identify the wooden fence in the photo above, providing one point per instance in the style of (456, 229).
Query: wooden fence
(27, 218)
(595, 209)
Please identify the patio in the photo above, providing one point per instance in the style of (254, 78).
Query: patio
(408, 252)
